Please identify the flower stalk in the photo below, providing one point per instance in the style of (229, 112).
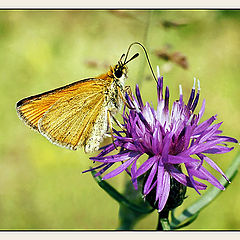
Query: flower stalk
(163, 222)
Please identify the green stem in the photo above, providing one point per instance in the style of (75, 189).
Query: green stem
(126, 225)
(163, 222)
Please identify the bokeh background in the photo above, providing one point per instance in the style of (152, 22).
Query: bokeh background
(41, 185)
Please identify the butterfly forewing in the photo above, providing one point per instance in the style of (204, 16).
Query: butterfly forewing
(70, 120)
(32, 109)
(67, 115)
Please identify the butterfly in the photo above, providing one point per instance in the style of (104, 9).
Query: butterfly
(78, 114)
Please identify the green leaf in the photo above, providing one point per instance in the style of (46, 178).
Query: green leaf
(119, 197)
(189, 221)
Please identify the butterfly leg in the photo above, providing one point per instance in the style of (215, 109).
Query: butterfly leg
(116, 121)
(110, 126)
(128, 90)
(123, 98)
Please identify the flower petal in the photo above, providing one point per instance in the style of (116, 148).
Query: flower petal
(200, 172)
(182, 178)
(103, 169)
(95, 168)
(150, 178)
(227, 139)
(122, 156)
(180, 159)
(157, 140)
(213, 165)
(198, 148)
(201, 112)
(163, 187)
(204, 125)
(209, 133)
(118, 169)
(133, 174)
(108, 148)
(166, 145)
(139, 98)
(160, 89)
(218, 150)
(146, 165)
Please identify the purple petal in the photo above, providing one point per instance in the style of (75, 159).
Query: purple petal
(122, 156)
(147, 140)
(206, 135)
(227, 139)
(157, 140)
(148, 115)
(200, 172)
(139, 128)
(192, 181)
(166, 144)
(139, 98)
(136, 104)
(125, 139)
(198, 148)
(130, 146)
(163, 187)
(133, 174)
(194, 105)
(150, 179)
(160, 88)
(103, 170)
(107, 149)
(146, 165)
(190, 100)
(201, 112)
(213, 165)
(204, 125)
(129, 101)
(166, 103)
(118, 169)
(92, 169)
(180, 159)
(218, 150)
(182, 178)
(180, 95)
(127, 171)
(187, 136)
(144, 121)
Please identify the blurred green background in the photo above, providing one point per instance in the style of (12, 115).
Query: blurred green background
(41, 185)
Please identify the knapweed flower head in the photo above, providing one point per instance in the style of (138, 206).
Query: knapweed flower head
(170, 138)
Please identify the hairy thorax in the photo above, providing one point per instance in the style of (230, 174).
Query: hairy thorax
(112, 103)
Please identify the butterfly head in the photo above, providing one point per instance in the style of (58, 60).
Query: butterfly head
(121, 69)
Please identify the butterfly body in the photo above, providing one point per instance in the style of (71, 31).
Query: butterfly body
(76, 115)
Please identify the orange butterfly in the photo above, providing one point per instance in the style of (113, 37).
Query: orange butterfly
(80, 113)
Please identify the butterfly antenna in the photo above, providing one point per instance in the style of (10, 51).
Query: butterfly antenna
(120, 61)
(133, 57)
(145, 51)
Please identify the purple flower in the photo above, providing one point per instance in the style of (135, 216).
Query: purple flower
(170, 139)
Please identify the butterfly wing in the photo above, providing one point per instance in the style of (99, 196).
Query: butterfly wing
(32, 109)
(67, 116)
(69, 121)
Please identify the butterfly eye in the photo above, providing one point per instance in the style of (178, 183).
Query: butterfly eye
(118, 73)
